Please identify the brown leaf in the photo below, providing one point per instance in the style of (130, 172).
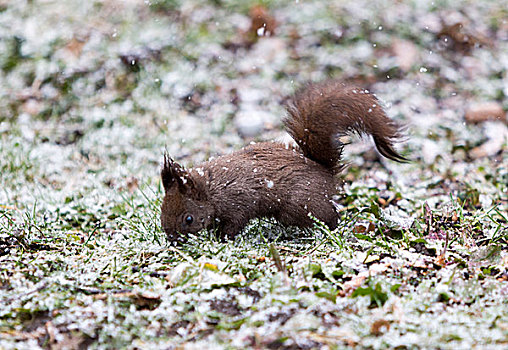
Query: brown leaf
(350, 286)
(484, 111)
(75, 45)
(406, 53)
(70, 340)
(462, 39)
(143, 300)
(32, 107)
(146, 300)
(50, 329)
(440, 259)
(262, 22)
(132, 184)
(364, 227)
(103, 296)
(259, 259)
(379, 327)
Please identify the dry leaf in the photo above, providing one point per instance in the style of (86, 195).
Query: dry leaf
(481, 112)
(262, 22)
(50, 329)
(75, 46)
(363, 227)
(146, 300)
(350, 286)
(379, 327)
(132, 184)
(440, 260)
(103, 296)
(462, 39)
(406, 53)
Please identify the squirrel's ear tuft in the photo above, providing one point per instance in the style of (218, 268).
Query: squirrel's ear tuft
(173, 174)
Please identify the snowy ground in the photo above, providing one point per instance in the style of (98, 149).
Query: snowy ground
(92, 92)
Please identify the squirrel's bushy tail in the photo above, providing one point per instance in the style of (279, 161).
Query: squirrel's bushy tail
(320, 113)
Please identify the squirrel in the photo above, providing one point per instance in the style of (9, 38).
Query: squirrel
(271, 179)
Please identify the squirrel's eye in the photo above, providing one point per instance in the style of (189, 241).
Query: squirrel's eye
(189, 219)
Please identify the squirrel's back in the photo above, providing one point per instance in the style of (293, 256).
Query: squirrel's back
(320, 113)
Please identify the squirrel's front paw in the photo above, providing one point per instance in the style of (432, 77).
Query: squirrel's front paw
(228, 232)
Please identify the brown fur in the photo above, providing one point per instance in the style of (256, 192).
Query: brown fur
(270, 179)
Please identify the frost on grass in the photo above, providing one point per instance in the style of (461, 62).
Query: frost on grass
(93, 93)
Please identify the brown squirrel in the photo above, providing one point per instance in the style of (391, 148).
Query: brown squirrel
(271, 179)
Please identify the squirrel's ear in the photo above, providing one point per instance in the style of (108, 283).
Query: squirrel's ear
(173, 174)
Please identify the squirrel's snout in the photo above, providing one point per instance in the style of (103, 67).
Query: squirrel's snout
(173, 237)
(171, 234)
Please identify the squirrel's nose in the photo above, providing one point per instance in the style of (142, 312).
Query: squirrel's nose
(170, 234)
(172, 237)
